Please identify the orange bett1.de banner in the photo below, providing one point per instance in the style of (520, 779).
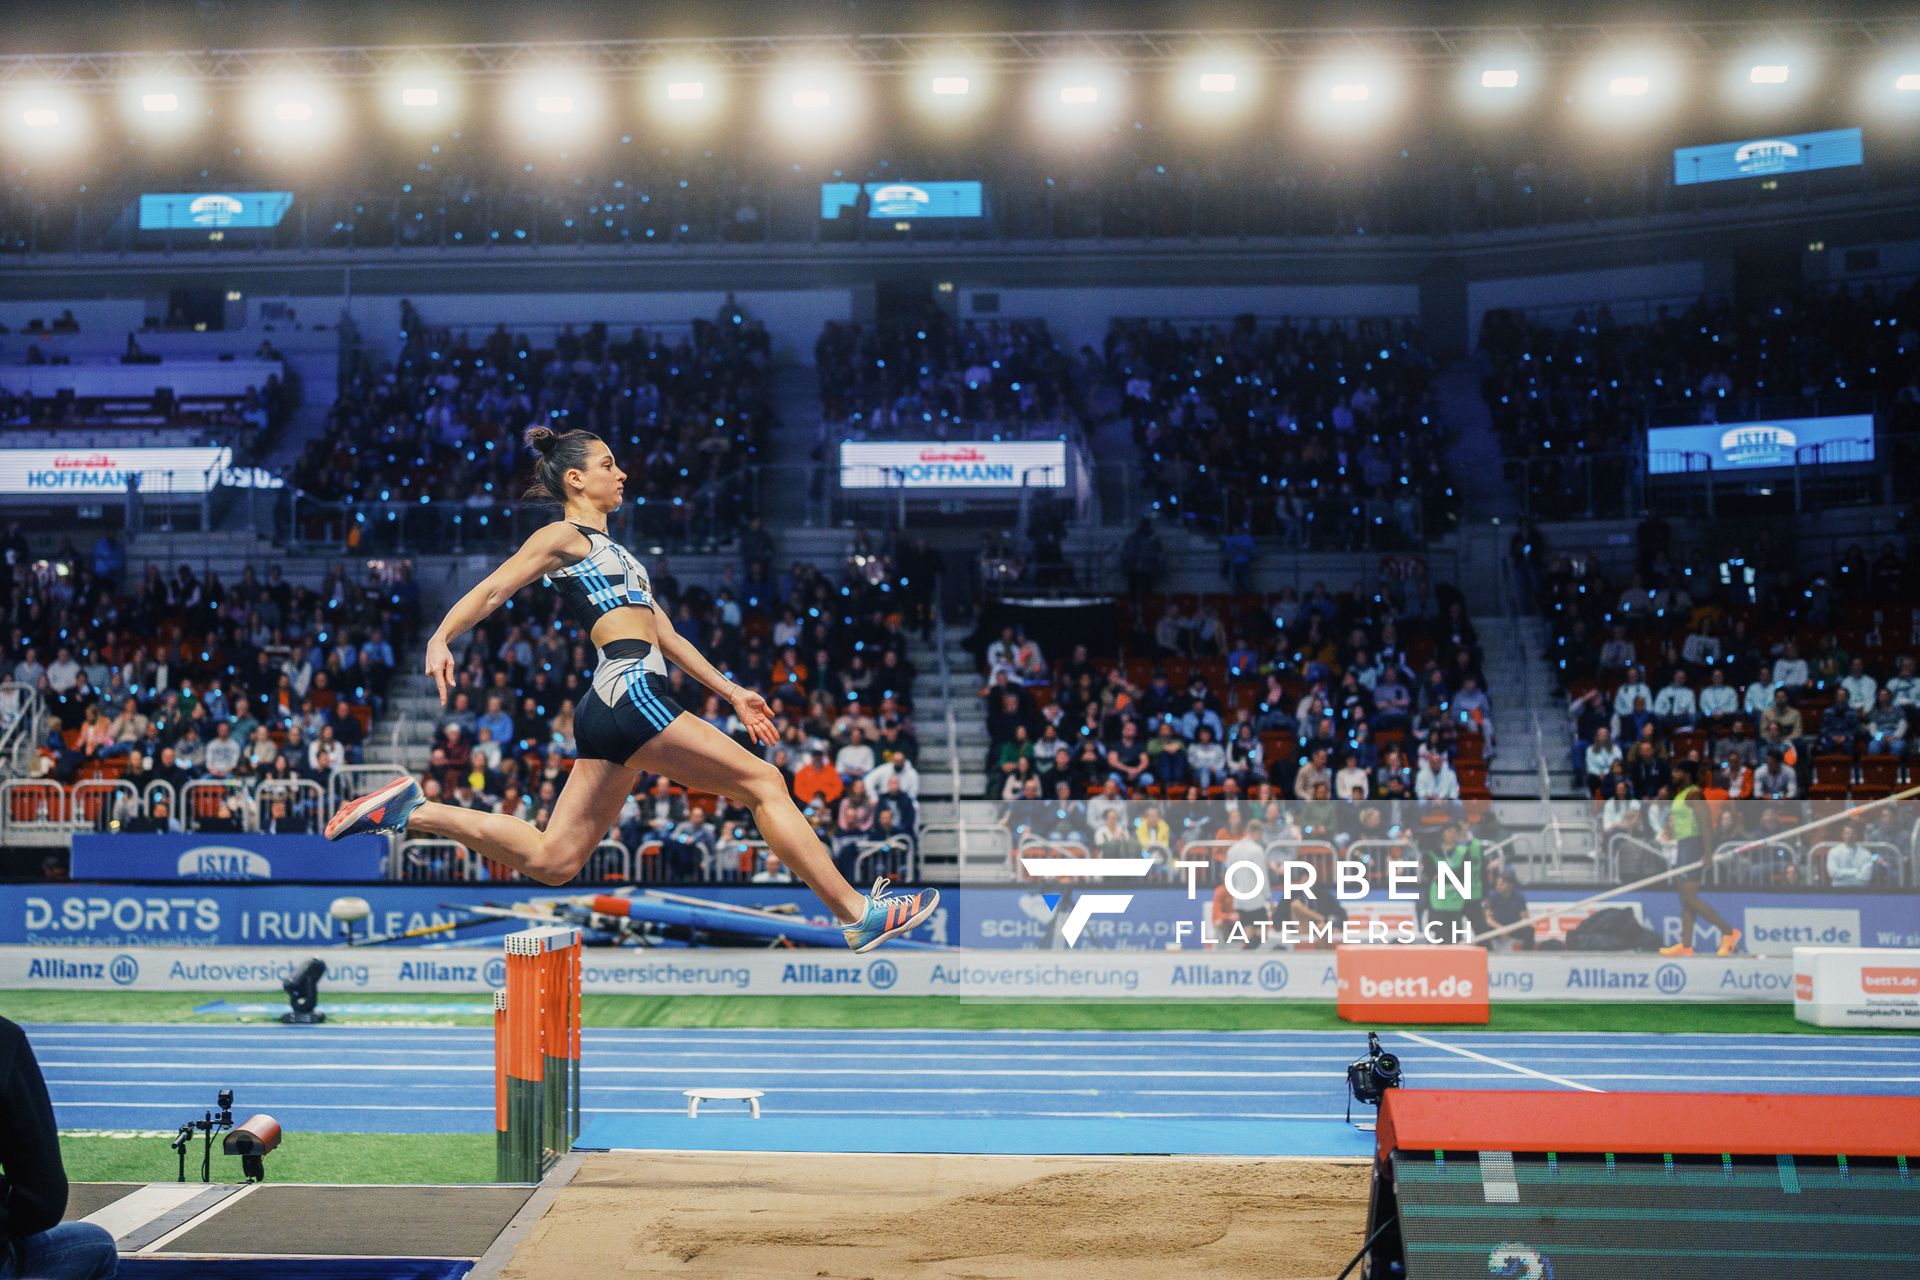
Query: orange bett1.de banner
(1411, 984)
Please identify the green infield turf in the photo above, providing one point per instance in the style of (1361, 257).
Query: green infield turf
(915, 1011)
(303, 1157)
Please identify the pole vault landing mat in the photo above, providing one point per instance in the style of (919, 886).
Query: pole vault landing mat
(960, 1134)
(237, 1232)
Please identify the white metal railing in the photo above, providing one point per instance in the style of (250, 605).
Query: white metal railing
(304, 799)
(97, 801)
(352, 780)
(610, 860)
(436, 862)
(1885, 853)
(23, 718)
(953, 729)
(200, 801)
(33, 807)
(903, 861)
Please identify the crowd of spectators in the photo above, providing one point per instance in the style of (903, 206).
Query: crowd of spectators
(828, 649)
(1323, 434)
(935, 379)
(1570, 402)
(1335, 718)
(177, 677)
(1786, 689)
(437, 435)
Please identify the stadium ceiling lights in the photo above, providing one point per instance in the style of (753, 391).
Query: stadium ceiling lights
(43, 121)
(1629, 88)
(1350, 95)
(948, 87)
(1077, 97)
(560, 106)
(1770, 76)
(420, 98)
(814, 102)
(683, 94)
(1214, 87)
(1892, 89)
(283, 111)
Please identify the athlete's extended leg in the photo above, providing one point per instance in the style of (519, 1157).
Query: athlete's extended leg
(588, 806)
(695, 754)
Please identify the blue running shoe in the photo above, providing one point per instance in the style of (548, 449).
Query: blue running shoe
(889, 915)
(384, 810)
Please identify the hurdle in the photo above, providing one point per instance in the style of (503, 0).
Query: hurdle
(536, 1053)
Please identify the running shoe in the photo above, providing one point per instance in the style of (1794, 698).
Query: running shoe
(1729, 942)
(889, 915)
(384, 810)
(1677, 949)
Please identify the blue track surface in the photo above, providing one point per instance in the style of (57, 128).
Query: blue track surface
(985, 1085)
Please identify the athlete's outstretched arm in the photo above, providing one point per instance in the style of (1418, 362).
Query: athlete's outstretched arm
(754, 713)
(548, 549)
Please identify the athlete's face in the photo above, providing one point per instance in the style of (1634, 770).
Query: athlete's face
(602, 482)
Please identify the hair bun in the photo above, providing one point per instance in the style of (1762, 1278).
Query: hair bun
(541, 439)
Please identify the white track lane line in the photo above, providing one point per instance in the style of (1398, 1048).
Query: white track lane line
(1497, 1062)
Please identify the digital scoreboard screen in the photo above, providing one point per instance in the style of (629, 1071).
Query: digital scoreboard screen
(213, 210)
(1766, 157)
(906, 200)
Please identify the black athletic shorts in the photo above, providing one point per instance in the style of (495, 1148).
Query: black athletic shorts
(627, 705)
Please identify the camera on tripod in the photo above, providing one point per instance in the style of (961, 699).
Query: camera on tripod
(251, 1140)
(1369, 1079)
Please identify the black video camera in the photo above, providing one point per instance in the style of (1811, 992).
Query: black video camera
(1369, 1079)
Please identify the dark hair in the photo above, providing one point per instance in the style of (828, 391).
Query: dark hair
(554, 454)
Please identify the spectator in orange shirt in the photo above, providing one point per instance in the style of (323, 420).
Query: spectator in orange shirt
(818, 776)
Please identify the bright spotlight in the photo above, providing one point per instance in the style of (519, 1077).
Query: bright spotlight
(1892, 88)
(44, 121)
(419, 98)
(1628, 88)
(1497, 82)
(1769, 76)
(293, 112)
(1077, 97)
(1344, 97)
(1214, 87)
(158, 106)
(559, 106)
(683, 94)
(948, 87)
(814, 103)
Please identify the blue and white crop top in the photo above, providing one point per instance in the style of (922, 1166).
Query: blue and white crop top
(608, 577)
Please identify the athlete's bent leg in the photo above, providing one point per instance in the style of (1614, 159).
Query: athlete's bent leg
(695, 754)
(588, 806)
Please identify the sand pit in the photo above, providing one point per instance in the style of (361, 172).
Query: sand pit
(745, 1217)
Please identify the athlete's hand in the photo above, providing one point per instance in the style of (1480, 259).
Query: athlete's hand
(440, 666)
(755, 715)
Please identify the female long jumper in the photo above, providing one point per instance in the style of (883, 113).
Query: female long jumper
(627, 723)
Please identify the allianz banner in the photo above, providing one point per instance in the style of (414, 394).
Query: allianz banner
(206, 856)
